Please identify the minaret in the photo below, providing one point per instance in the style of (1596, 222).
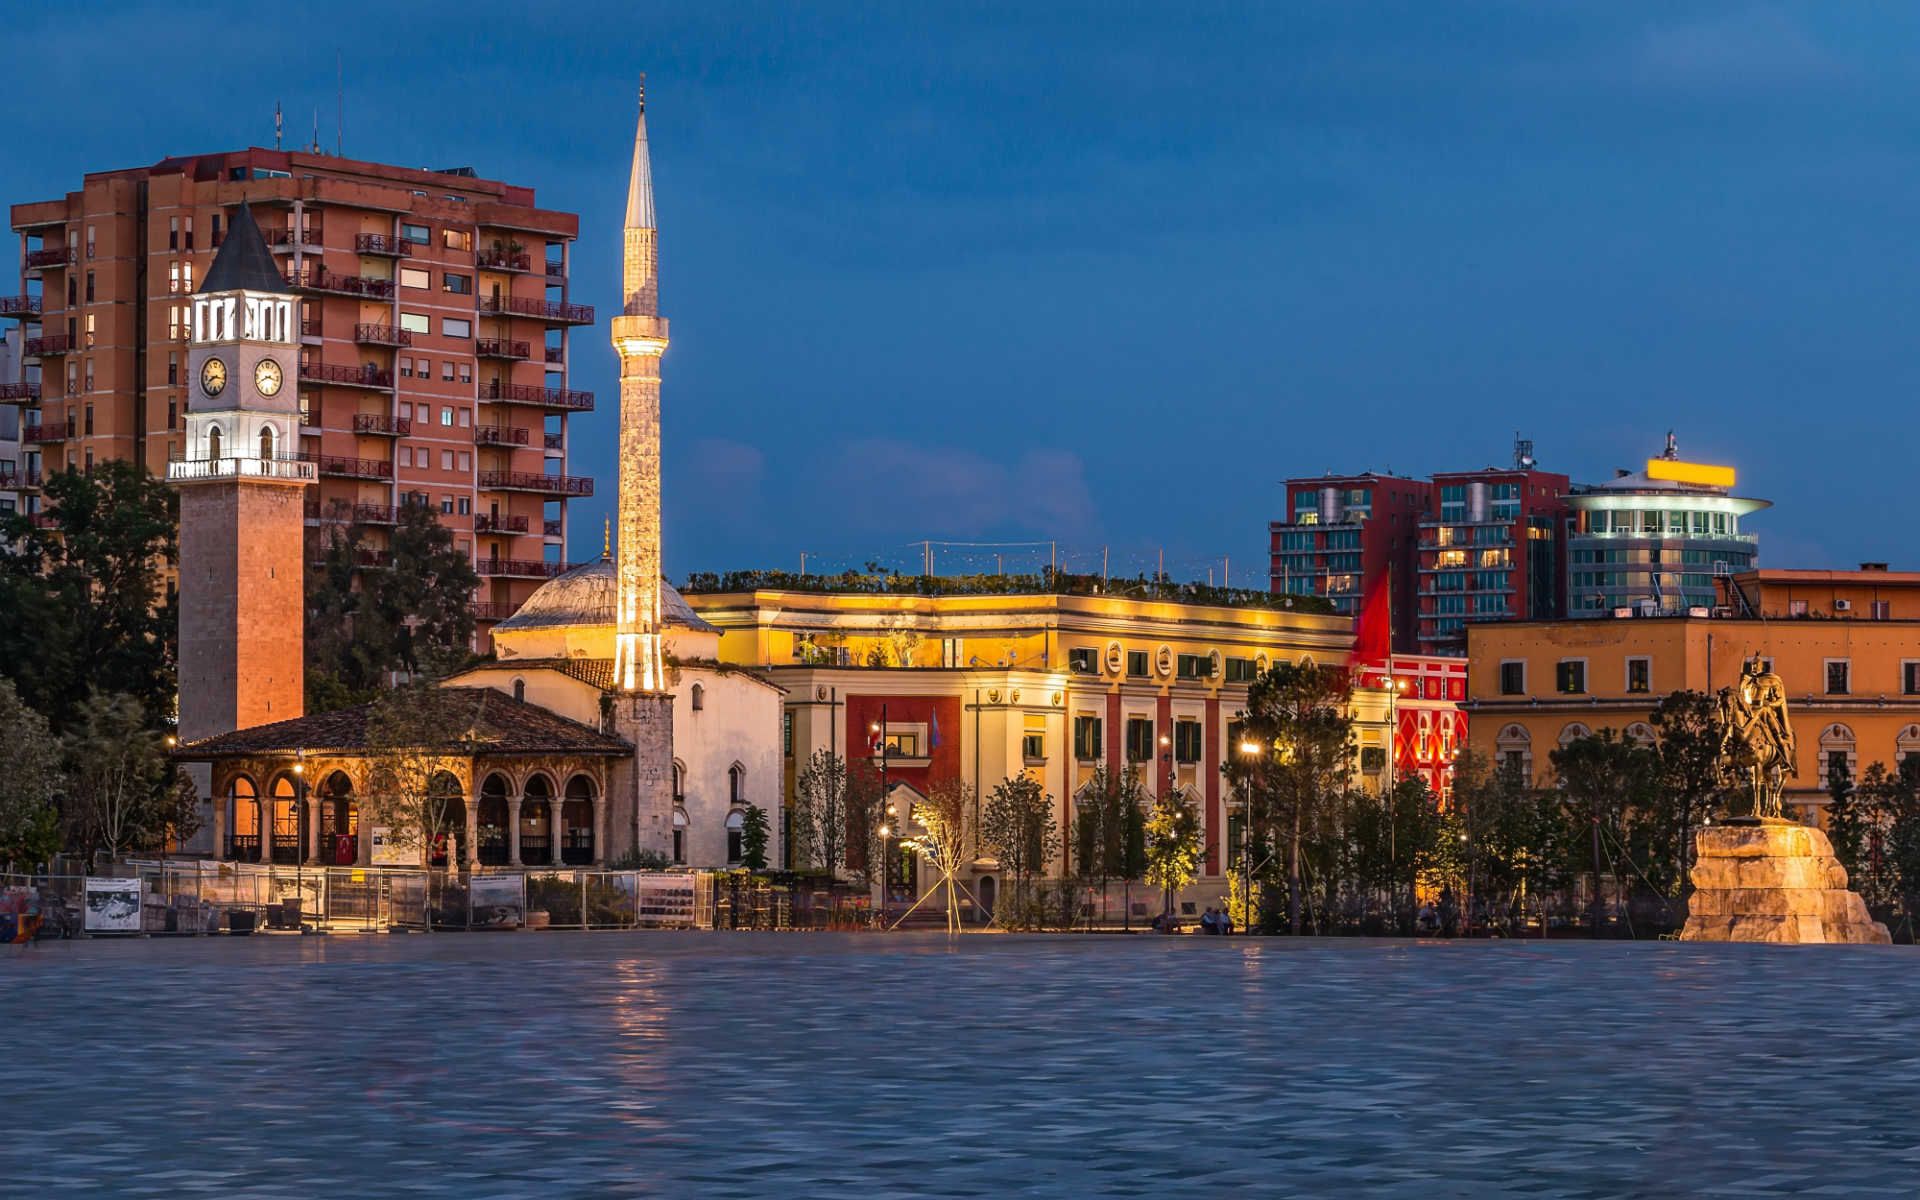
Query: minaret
(242, 497)
(640, 335)
(643, 711)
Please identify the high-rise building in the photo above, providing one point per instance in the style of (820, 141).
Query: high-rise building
(1654, 540)
(10, 429)
(1461, 546)
(433, 320)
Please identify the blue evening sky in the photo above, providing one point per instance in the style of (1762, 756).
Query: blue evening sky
(1105, 273)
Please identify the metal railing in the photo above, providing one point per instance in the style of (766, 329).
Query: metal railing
(520, 393)
(527, 481)
(235, 468)
(382, 243)
(545, 310)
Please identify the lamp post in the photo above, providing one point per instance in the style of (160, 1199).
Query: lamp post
(1248, 748)
(300, 837)
(879, 731)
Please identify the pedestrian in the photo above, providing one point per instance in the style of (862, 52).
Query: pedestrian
(1209, 924)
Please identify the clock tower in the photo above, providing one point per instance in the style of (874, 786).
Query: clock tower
(242, 498)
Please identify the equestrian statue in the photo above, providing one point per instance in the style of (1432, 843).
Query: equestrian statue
(1756, 739)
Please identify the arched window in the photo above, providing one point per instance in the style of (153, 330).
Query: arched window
(266, 441)
(339, 822)
(449, 808)
(536, 823)
(243, 820)
(284, 845)
(1573, 733)
(576, 823)
(736, 837)
(1837, 749)
(679, 837)
(1514, 746)
(679, 783)
(213, 443)
(699, 697)
(491, 822)
(1907, 742)
(520, 689)
(736, 784)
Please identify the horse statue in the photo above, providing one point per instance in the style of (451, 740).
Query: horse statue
(1756, 739)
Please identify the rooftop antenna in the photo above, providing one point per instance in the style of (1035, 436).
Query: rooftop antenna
(316, 131)
(1672, 452)
(606, 543)
(1522, 452)
(279, 125)
(339, 101)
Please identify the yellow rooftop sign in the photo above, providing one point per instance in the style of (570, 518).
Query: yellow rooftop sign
(1686, 472)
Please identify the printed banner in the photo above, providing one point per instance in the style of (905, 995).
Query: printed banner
(113, 906)
(497, 901)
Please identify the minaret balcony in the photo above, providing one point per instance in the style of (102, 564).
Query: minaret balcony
(319, 279)
(544, 397)
(285, 241)
(499, 523)
(506, 348)
(41, 435)
(499, 435)
(51, 259)
(19, 393)
(502, 260)
(519, 568)
(341, 466)
(382, 335)
(50, 346)
(383, 243)
(367, 375)
(529, 481)
(381, 425)
(554, 312)
(19, 306)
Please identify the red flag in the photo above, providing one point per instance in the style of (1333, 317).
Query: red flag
(1373, 629)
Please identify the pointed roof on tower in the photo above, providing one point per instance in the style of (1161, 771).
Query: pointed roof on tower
(244, 262)
(640, 181)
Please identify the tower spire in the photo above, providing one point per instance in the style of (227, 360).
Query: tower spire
(640, 176)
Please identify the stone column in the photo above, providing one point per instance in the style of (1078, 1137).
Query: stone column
(513, 830)
(263, 825)
(220, 806)
(472, 854)
(312, 837)
(556, 805)
(599, 828)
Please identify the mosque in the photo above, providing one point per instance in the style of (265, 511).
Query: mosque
(606, 723)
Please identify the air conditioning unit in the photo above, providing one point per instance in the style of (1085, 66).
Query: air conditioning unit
(1843, 606)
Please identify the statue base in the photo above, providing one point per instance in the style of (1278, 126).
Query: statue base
(1764, 879)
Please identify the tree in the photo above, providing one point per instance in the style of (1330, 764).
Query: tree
(418, 739)
(29, 779)
(85, 607)
(1896, 800)
(820, 812)
(1101, 828)
(1018, 825)
(1602, 779)
(410, 614)
(945, 838)
(1687, 756)
(1514, 832)
(753, 838)
(1172, 849)
(1297, 759)
(122, 793)
(1846, 822)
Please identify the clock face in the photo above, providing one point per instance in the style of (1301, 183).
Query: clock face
(213, 377)
(266, 377)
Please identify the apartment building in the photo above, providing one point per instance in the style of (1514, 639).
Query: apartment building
(434, 325)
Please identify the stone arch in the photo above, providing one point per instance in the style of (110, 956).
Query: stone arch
(1837, 745)
(339, 817)
(266, 442)
(679, 782)
(284, 841)
(736, 837)
(577, 826)
(449, 806)
(537, 800)
(245, 834)
(737, 784)
(492, 823)
(680, 827)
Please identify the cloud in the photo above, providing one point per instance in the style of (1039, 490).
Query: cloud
(884, 485)
(1755, 49)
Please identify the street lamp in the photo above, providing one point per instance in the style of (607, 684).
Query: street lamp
(300, 839)
(1248, 748)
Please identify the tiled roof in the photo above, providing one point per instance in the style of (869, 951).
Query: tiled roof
(596, 672)
(499, 724)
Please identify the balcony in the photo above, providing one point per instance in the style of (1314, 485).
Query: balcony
(381, 335)
(343, 512)
(363, 559)
(15, 478)
(340, 466)
(383, 243)
(502, 348)
(553, 528)
(556, 355)
(520, 393)
(381, 425)
(519, 568)
(499, 435)
(19, 393)
(234, 468)
(40, 435)
(52, 258)
(310, 329)
(486, 610)
(501, 260)
(49, 346)
(319, 279)
(553, 312)
(365, 376)
(528, 481)
(556, 270)
(283, 241)
(490, 523)
(554, 441)
(19, 306)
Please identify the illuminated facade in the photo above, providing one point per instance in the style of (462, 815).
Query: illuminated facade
(1846, 643)
(1655, 540)
(1424, 710)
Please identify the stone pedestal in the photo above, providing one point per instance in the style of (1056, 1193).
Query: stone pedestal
(1773, 881)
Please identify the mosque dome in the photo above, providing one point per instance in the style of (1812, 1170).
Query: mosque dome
(585, 596)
